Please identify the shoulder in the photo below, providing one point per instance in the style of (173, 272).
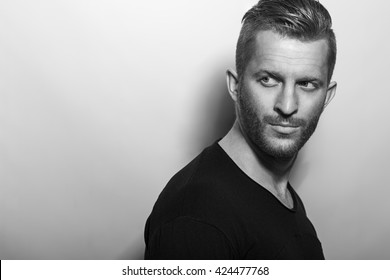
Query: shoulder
(199, 184)
(200, 195)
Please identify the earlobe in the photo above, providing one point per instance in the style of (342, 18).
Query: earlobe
(330, 93)
(232, 83)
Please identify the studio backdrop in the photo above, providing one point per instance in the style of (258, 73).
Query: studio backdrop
(102, 101)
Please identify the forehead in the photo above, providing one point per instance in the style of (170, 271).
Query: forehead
(274, 52)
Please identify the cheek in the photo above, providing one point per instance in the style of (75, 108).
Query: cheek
(314, 109)
(253, 106)
(257, 100)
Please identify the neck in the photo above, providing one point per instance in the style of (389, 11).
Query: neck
(270, 172)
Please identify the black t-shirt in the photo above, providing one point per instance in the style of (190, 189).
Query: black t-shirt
(212, 210)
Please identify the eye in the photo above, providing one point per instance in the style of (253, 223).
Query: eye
(268, 81)
(307, 85)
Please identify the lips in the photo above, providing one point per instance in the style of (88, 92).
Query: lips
(284, 124)
(284, 128)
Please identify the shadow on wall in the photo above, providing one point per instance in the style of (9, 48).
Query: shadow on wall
(134, 252)
(215, 113)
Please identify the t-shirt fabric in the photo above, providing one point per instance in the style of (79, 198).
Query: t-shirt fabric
(212, 210)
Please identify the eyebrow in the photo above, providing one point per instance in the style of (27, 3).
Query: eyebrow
(278, 76)
(273, 74)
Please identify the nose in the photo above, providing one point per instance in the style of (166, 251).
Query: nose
(286, 102)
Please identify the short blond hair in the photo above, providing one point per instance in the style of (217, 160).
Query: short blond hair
(306, 20)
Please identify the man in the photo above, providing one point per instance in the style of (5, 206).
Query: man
(234, 200)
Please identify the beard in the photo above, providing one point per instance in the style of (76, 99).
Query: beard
(280, 146)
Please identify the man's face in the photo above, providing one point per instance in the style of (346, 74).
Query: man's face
(282, 93)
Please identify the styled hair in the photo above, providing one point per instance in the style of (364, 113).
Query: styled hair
(305, 20)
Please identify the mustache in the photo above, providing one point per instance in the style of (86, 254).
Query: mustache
(279, 120)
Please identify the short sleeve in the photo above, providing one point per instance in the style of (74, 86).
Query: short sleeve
(186, 238)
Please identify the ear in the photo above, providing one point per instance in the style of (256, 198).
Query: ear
(330, 93)
(232, 84)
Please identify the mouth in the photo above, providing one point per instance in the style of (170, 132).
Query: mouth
(284, 128)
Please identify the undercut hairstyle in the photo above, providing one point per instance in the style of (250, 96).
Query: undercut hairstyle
(305, 20)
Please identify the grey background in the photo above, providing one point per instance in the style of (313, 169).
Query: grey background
(102, 101)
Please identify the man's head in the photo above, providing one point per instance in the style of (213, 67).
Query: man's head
(285, 57)
(305, 20)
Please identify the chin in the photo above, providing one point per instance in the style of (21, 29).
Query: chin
(282, 153)
(286, 150)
